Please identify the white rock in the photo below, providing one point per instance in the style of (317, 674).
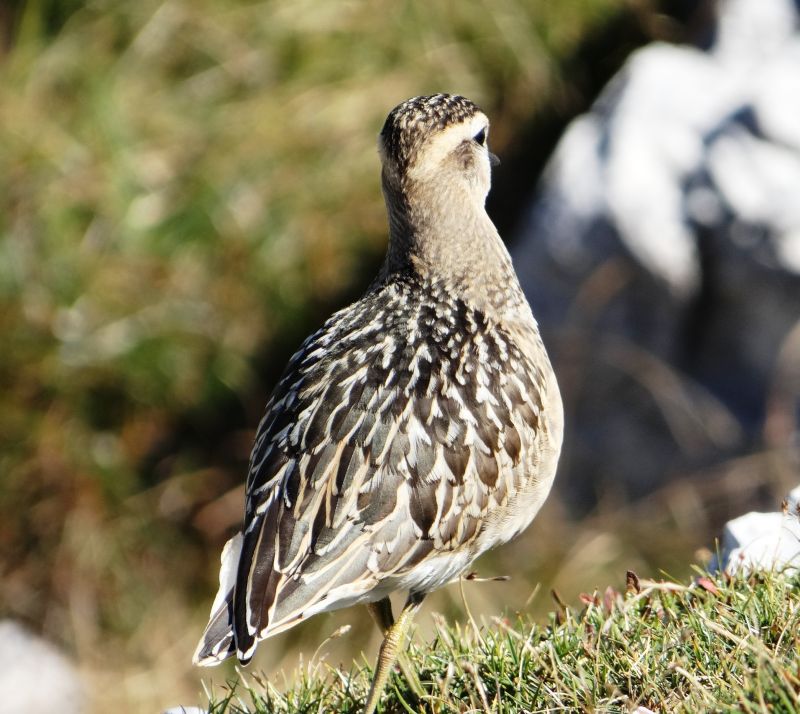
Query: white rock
(35, 676)
(762, 541)
(665, 231)
(752, 29)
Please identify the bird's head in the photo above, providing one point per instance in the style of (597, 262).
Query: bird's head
(436, 142)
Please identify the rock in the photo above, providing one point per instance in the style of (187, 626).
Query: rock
(185, 710)
(762, 541)
(35, 676)
(661, 255)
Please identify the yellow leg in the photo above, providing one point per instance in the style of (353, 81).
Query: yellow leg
(393, 642)
(381, 612)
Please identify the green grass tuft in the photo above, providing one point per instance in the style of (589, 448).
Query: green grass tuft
(718, 644)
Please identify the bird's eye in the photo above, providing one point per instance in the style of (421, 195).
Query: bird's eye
(480, 137)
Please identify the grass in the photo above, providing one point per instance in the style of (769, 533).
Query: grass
(717, 644)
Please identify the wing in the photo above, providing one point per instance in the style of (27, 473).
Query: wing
(394, 430)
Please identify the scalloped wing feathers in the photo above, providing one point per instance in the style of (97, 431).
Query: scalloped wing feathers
(395, 429)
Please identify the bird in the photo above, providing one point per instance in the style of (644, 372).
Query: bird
(418, 428)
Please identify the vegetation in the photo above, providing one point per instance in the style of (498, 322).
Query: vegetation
(719, 644)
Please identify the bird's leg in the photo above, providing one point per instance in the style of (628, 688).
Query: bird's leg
(381, 612)
(393, 642)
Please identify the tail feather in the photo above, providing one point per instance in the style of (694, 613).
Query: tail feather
(217, 643)
(256, 586)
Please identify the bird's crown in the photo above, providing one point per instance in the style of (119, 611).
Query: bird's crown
(409, 123)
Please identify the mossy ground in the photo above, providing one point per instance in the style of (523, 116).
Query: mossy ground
(716, 644)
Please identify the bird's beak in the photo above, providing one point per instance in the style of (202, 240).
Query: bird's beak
(493, 160)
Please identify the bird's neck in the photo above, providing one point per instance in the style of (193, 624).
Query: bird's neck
(443, 234)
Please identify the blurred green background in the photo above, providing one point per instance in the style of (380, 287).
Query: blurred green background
(187, 188)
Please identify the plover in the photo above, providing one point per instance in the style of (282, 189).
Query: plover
(416, 429)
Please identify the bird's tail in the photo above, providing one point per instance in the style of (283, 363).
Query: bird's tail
(217, 643)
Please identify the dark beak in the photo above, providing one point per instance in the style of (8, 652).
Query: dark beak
(493, 160)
